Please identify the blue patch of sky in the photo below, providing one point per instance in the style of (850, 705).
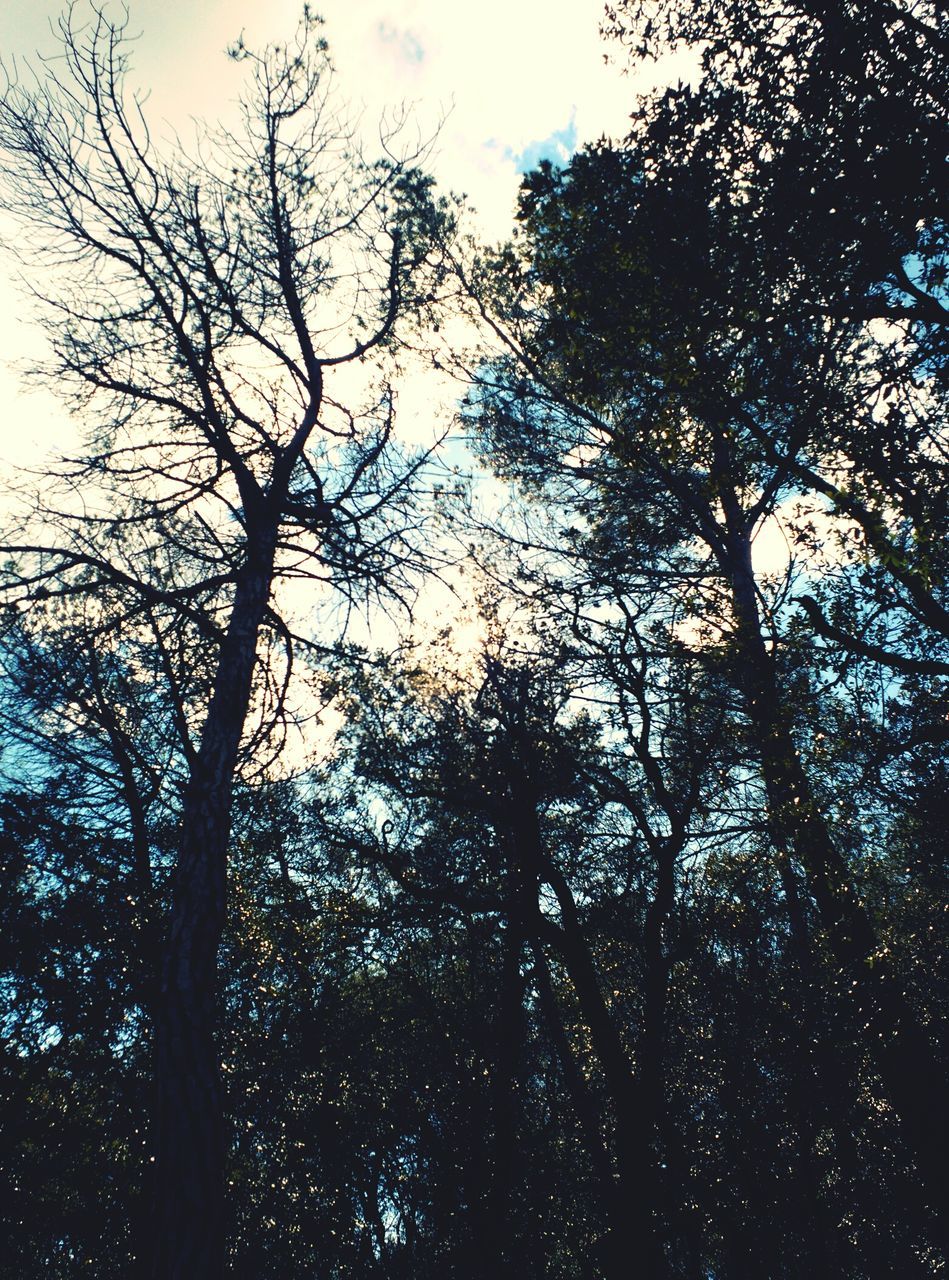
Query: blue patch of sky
(404, 43)
(558, 147)
(929, 272)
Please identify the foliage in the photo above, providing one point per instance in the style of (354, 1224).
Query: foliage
(617, 941)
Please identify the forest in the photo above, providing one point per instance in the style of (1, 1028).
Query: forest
(601, 934)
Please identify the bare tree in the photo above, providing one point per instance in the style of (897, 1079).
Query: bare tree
(196, 306)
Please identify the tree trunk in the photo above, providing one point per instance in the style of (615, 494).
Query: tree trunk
(903, 1052)
(581, 1097)
(189, 1220)
(500, 1225)
(639, 1253)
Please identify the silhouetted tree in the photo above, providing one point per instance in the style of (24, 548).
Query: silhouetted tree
(196, 308)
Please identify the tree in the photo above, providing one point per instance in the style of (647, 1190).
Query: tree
(75, 1063)
(196, 307)
(853, 98)
(488, 792)
(671, 378)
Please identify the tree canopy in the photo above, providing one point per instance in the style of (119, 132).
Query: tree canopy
(612, 942)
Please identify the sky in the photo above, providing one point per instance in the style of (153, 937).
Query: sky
(519, 78)
(512, 81)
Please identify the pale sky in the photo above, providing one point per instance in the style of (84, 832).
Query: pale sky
(513, 73)
(518, 79)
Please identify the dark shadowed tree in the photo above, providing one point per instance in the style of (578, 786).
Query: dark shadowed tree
(676, 372)
(196, 308)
